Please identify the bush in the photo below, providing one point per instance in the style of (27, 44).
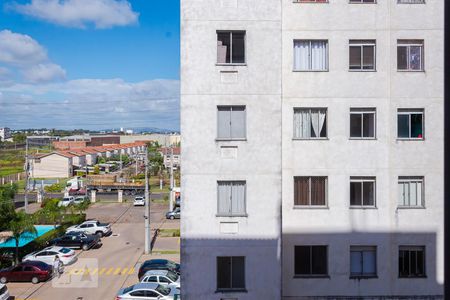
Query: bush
(54, 188)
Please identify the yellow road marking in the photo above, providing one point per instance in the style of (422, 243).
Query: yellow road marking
(131, 271)
(117, 271)
(102, 271)
(124, 271)
(109, 271)
(94, 271)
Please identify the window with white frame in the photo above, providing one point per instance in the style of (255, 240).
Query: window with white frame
(411, 261)
(230, 273)
(362, 55)
(310, 123)
(362, 123)
(231, 198)
(363, 261)
(231, 47)
(362, 191)
(231, 122)
(410, 191)
(410, 55)
(363, 1)
(310, 190)
(410, 124)
(411, 1)
(310, 55)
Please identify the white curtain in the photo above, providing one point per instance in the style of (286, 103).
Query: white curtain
(301, 56)
(318, 55)
(317, 121)
(224, 198)
(238, 198)
(223, 122)
(302, 123)
(402, 193)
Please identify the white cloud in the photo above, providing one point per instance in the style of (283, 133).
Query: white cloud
(80, 13)
(20, 49)
(44, 73)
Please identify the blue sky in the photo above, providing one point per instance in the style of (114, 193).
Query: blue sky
(89, 63)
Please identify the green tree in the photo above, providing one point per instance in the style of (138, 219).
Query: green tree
(19, 138)
(53, 212)
(7, 209)
(21, 224)
(82, 207)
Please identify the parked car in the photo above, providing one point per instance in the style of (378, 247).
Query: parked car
(4, 293)
(148, 291)
(79, 240)
(158, 264)
(162, 277)
(92, 227)
(139, 201)
(175, 214)
(48, 255)
(66, 201)
(80, 199)
(34, 271)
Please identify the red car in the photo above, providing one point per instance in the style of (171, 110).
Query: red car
(34, 271)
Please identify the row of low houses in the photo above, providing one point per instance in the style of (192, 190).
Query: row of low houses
(62, 164)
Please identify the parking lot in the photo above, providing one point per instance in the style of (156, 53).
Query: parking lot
(100, 273)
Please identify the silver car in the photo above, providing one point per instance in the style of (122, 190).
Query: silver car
(175, 214)
(148, 291)
(163, 277)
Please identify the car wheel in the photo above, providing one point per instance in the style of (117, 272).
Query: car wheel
(99, 234)
(35, 280)
(3, 280)
(85, 247)
(172, 217)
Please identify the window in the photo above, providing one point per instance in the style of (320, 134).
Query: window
(411, 1)
(362, 191)
(411, 261)
(363, 261)
(231, 273)
(310, 123)
(363, 1)
(362, 55)
(410, 192)
(362, 123)
(231, 47)
(231, 198)
(311, 260)
(410, 55)
(311, 55)
(310, 191)
(231, 122)
(410, 124)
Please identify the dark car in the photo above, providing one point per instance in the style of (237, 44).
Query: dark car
(78, 240)
(34, 271)
(158, 264)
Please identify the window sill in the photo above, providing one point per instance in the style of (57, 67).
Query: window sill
(231, 140)
(410, 139)
(411, 207)
(357, 70)
(411, 71)
(363, 207)
(231, 65)
(312, 276)
(362, 138)
(413, 277)
(363, 277)
(312, 139)
(231, 291)
(310, 2)
(311, 207)
(310, 71)
(232, 216)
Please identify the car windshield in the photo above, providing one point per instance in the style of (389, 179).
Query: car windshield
(64, 250)
(66, 199)
(172, 276)
(128, 289)
(171, 265)
(163, 290)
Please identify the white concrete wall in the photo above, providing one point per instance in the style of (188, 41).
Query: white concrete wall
(386, 158)
(257, 85)
(53, 166)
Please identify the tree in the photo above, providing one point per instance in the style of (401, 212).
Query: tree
(7, 209)
(21, 224)
(19, 138)
(53, 212)
(82, 207)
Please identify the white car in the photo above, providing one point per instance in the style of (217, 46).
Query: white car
(92, 227)
(148, 291)
(48, 255)
(163, 277)
(66, 201)
(4, 293)
(139, 201)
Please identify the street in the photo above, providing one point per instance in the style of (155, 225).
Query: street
(100, 273)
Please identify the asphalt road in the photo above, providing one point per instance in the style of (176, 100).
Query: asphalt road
(99, 273)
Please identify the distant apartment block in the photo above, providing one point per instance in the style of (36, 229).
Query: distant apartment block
(5, 133)
(312, 149)
(171, 156)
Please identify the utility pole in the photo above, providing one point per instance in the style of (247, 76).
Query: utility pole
(26, 174)
(147, 207)
(171, 180)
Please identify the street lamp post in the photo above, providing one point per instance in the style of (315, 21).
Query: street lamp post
(147, 208)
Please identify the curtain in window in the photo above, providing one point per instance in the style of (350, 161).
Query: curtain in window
(224, 197)
(318, 55)
(302, 123)
(238, 122)
(238, 198)
(223, 122)
(301, 191)
(403, 193)
(317, 121)
(301, 55)
(317, 191)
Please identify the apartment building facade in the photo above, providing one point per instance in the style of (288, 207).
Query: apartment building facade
(329, 120)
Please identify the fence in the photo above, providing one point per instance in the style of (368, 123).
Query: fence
(12, 178)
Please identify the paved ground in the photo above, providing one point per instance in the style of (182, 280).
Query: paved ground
(100, 273)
